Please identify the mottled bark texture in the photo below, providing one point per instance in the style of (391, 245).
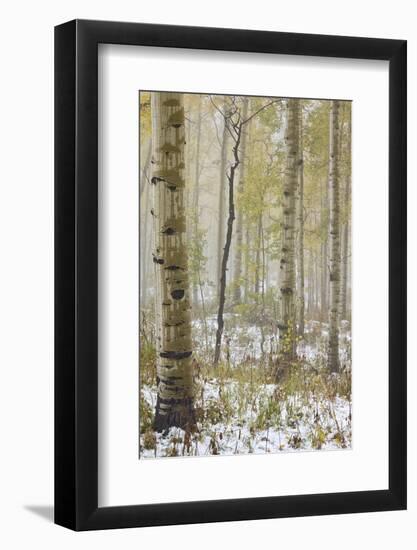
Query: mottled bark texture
(256, 284)
(145, 166)
(287, 262)
(145, 267)
(324, 220)
(301, 228)
(334, 236)
(145, 244)
(174, 405)
(237, 291)
(196, 190)
(346, 228)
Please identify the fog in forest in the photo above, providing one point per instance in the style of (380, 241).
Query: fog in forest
(245, 274)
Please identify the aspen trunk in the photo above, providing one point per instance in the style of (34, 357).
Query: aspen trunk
(266, 248)
(316, 284)
(343, 308)
(262, 247)
(145, 167)
(145, 244)
(257, 257)
(247, 254)
(287, 262)
(313, 285)
(301, 228)
(144, 221)
(345, 255)
(196, 191)
(309, 284)
(247, 260)
(237, 295)
(334, 236)
(174, 405)
(324, 268)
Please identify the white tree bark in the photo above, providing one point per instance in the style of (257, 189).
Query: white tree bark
(324, 251)
(174, 405)
(287, 262)
(346, 227)
(196, 191)
(301, 227)
(334, 237)
(237, 295)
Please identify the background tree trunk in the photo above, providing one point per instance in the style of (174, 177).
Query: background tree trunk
(310, 285)
(174, 405)
(334, 279)
(257, 257)
(324, 221)
(247, 262)
(301, 228)
(346, 228)
(287, 263)
(237, 296)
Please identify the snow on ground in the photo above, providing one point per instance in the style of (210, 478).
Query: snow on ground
(238, 417)
(296, 426)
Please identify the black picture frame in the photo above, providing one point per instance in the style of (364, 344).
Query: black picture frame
(76, 272)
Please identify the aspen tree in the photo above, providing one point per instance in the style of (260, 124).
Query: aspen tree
(301, 227)
(237, 295)
(196, 189)
(324, 250)
(287, 262)
(346, 226)
(174, 406)
(334, 237)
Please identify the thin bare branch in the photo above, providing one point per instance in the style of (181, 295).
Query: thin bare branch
(259, 110)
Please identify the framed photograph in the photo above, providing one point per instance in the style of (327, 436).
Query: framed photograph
(230, 254)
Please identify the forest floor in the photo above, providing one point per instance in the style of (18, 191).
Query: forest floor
(240, 406)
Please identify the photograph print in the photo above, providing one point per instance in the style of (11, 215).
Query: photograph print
(245, 274)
